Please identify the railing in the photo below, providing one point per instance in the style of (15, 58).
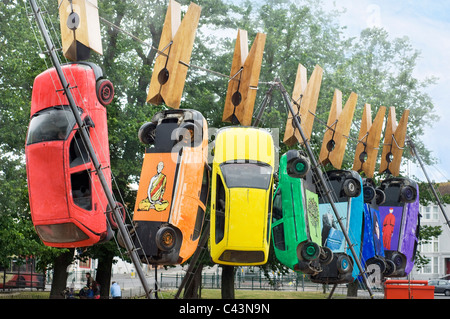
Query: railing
(295, 282)
(21, 279)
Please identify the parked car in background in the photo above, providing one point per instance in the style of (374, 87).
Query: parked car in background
(440, 286)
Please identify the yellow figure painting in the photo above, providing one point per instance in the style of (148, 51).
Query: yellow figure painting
(156, 189)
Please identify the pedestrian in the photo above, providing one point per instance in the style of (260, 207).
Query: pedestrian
(96, 290)
(84, 292)
(89, 279)
(116, 293)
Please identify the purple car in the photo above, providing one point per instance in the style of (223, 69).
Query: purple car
(400, 221)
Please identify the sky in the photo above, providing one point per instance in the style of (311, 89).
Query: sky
(427, 25)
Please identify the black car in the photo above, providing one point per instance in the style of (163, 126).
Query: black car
(440, 286)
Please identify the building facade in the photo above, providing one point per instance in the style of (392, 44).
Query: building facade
(438, 249)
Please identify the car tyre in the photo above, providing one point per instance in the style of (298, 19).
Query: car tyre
(308, 251)
(189, 133)
(380, 196)
(105, 91)
(343, 264)
(408, 194)
(147, 132)
(390, 268)
(112, 218)
(165, 238)
(298, 167)
(351, 188)
(326, 256)
(369, 194)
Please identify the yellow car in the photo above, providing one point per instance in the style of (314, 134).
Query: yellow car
(241, 196)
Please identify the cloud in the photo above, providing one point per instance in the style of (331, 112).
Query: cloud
(427, 25)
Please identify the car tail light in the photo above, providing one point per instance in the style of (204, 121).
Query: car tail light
(61, 233)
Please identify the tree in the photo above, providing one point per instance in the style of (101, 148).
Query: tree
(378, 68)
(20, 64)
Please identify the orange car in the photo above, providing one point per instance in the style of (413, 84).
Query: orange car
(174, 186)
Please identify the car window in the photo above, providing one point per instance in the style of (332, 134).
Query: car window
(52, 124)
(247, 175)
(277, 213)
(278, 236)
(220, 210)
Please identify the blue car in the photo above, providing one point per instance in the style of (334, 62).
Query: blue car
(400, 219)
(372, 256)
(347, 186)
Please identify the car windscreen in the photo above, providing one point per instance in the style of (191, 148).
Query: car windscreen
(247, 175)
(52, 124)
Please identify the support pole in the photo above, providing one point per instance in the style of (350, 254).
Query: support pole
(315, 166)
(192, 265)
(85, 137)
(414, 151)
(266, 101)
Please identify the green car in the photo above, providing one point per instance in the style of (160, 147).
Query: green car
(296, 226)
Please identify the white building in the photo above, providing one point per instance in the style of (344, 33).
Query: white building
(438, 249)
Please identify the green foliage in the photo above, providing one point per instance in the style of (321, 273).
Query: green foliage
(378, 68)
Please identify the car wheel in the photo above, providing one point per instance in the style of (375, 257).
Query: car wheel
(343, 264)
(308, 251)
(121, 240)
(298, 167)
(381, 264)
(105, 91)
(351, 188)
(189, 133)
(112, 218)
(147, 132)
(447, 292)
(326, 255)
(165, 238)
(397, 259)
(390, 268)
(380, 196)
(369, 194)
(408, 194)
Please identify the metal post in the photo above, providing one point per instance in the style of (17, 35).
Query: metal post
(266, 101)
(414, 151)
(190, 271)
(85, 137)
(315, 166)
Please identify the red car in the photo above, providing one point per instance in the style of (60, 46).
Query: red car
(67, 201)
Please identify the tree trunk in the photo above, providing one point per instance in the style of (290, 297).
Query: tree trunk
(227, 282)
(60, 274)
(352, 290)
(194, 285)
(103, 276)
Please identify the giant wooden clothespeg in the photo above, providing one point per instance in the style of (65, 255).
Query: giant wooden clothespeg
(305, 95)
(244, 78)
(338, 129)
(368, 141)
(80, 28)
(175, 47)
(394, 142)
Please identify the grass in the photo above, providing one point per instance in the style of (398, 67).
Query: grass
(206, 294)
(266, 294)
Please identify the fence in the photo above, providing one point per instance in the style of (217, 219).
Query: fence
(21, 279)
(256, 281)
